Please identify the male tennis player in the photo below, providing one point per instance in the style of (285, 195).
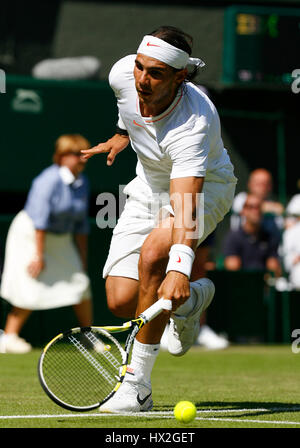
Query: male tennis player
(174, 129)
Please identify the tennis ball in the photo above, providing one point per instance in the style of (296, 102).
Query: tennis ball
(185, 411)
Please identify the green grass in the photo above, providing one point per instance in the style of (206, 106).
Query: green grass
(240, 387)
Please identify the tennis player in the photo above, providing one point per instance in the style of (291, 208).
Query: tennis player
(174, 129)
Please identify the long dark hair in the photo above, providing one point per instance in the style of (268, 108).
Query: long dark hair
(179, 39)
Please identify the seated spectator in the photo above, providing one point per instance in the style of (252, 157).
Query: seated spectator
(260, 183)
(291, 242)
(252, 246)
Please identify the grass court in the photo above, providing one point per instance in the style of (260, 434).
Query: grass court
(253, 386)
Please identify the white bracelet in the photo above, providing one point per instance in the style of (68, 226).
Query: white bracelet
(181, 259)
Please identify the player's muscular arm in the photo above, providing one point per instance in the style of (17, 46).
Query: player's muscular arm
(113, 146)
(184, 194)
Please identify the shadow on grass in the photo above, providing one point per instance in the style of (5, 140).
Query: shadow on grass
(246, 408)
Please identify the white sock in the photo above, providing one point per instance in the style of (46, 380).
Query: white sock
(142, 361)
(188, 305)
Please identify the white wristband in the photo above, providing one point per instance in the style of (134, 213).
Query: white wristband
(181, 259)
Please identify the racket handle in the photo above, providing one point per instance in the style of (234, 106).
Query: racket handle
(155, 309)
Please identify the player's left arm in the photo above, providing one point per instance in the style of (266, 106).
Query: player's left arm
(184, 196)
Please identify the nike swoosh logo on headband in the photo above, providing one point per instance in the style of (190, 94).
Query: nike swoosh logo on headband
(152, 45)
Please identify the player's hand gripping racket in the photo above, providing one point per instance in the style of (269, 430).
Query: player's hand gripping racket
(83, 367)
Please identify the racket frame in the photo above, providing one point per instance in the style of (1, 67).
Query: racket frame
(43, 382)
(134, 325)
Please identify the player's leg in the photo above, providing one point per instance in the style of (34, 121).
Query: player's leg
(135, 394)
(122, 295)
(152, 270)
(152, 267)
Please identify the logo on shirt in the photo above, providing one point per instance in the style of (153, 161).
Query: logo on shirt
(134, 122)
(152, 45)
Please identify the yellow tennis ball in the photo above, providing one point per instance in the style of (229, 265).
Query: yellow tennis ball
(185, 411)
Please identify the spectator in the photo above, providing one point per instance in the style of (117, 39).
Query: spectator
(43, 267)
(291, 242)
(252, 246)
(260, 183)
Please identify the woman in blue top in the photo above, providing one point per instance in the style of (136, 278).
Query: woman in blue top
(46, 247)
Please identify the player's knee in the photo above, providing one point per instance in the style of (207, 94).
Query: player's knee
(117, 308)
(120, 307)
(153, 259)
(121, 300)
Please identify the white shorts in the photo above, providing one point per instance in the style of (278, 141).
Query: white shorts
(141, 215)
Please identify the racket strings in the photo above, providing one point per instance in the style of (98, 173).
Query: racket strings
(91, 359)
(99, 346)
(82, 368)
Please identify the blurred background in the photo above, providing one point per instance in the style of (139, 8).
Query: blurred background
(251, 50)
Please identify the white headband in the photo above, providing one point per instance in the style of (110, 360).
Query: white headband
(163, 51)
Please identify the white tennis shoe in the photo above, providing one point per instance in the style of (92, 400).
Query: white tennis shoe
(12, 343)
(184, 330)
(130, 397)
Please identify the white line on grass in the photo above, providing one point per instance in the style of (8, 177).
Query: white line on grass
(237, 420)
(225, 411)
(154, 414)
(169, 414)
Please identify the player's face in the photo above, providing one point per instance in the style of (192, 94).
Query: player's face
(156, 82)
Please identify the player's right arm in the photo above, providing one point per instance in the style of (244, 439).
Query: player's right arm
(120, 76)
(112, 146)
(121, 81)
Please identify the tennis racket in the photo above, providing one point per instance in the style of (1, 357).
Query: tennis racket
(82, 368)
